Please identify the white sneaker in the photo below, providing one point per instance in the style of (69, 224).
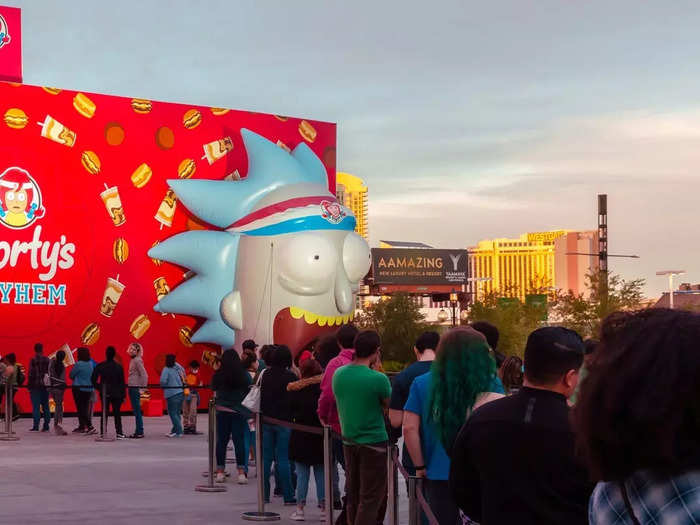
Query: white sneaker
(171, 435)
(297, 515)
(220, 477)
(242, 479)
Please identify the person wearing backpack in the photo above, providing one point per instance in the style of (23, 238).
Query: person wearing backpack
(38, 392)
(57, 376)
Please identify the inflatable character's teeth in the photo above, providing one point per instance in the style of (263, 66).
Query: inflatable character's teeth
(320, 320)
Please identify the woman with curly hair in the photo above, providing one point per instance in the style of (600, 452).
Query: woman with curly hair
(638, 419)
(462, 378)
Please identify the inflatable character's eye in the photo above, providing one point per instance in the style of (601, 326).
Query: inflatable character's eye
(307, 264)
(356, 257)
(10, 195)
(21, 197)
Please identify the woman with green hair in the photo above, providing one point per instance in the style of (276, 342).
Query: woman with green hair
(462, 378)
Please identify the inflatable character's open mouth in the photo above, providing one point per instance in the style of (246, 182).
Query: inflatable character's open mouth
(296, 327)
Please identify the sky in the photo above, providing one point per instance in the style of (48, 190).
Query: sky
(467, 120)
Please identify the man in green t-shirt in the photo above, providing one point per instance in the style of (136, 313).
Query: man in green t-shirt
(362, 396)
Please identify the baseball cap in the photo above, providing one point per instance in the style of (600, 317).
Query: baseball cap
(249, 344)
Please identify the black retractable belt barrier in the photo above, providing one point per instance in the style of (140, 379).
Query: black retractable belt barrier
(104, 437)
(211, 486)
(8, 434)
(260, 514)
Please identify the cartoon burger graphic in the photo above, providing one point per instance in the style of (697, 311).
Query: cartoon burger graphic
(287, 264)
(20, 199)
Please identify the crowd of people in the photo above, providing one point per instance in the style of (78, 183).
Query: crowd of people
(602, 432)
(48, 379)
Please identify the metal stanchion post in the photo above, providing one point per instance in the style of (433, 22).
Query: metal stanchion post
(260, 514)
(8, 434)
(392, 492)
(328, 474)
(103, 437)
(413, 508)
(211, 486)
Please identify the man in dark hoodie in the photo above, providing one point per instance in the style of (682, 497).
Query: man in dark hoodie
(111, 374)
(38, 369)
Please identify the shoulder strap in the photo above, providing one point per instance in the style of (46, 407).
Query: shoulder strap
(626, 498)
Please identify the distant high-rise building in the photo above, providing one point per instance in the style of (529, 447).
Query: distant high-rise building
(351, 191)
(575, 256)
(538, 262)
(514, 267)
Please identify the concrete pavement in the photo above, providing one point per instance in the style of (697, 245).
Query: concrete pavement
(46, 478)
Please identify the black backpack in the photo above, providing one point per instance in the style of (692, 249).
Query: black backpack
(21, 375)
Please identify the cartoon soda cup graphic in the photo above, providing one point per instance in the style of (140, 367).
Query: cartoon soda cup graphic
(166, 210)
(160, 285)
(110, 299)
(52, 129)
(217, 149)
(113, 203)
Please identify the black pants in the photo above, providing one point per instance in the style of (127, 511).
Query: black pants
(437, 494)
(115, 404)
(365, 484)
(82, 404)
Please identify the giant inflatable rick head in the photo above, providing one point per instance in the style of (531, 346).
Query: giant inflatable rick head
(287, 264)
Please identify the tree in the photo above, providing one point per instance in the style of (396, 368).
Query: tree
(399, 322)
(584, 314)
(513, 318)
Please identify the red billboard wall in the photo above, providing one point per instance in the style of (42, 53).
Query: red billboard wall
(83, 197)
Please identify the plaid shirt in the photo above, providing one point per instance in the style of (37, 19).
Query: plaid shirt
(654, 500)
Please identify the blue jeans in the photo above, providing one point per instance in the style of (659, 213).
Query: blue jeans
(40, 397)
(174, 407)
(231, 425)
(303, 473)
(276, 446)
(135, 398)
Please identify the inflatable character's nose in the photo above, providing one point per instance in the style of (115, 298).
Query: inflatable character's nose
(343, 292)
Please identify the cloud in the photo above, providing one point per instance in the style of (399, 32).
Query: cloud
(646, 162)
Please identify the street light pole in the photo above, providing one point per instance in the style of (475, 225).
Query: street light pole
(671, 274)
(454, 298)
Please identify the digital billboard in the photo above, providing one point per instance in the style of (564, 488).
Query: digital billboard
(404, 266)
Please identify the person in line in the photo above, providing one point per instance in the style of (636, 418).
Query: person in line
(424, 350)
(191, 403)
(327, 408)
(108, 377)
(637, 420)
(57, 377)
(249, 361)
(492, 336)
(171, 379)
(8, 377)
(250, 345)
(274, 402)
(16, 379)
(230, 383)
(326, 349)
(590, 345)
(138, 379)
(362, 396)
(306, 450)
(38, 392)
(81, 376)
(511, 374)
(513, 461)
(460, 380)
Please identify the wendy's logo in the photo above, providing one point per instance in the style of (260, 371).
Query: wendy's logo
(20, 199)
(332, 212)
(4, 32)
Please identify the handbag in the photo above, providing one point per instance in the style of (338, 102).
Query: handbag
(252, 399)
